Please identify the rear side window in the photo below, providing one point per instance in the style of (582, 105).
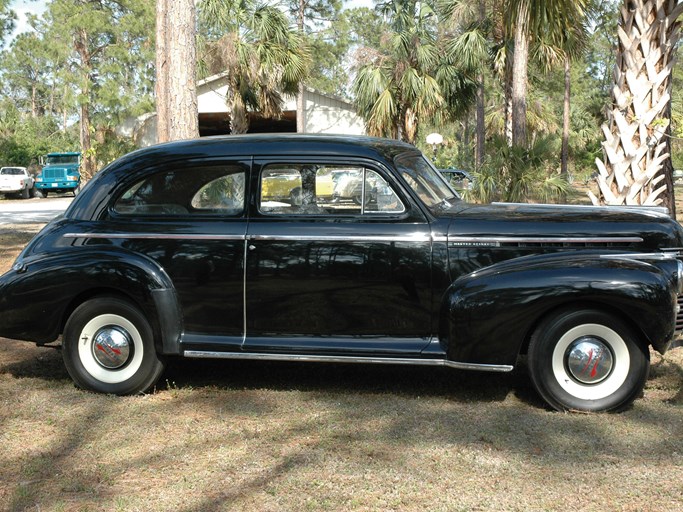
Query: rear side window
(328, 190)
(12, 171)
(212, 190)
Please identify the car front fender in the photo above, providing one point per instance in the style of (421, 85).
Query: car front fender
(488, 315)
(39, 293)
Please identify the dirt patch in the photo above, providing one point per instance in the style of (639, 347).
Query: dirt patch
(12, 240)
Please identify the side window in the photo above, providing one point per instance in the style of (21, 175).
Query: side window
(222, 195)
(380, 197)
(325, 190)
(205, 190)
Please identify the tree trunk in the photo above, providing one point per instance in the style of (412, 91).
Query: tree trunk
(481, 111)
(162, 81)
(300, 110)
(34, 102)
(410, 125)
(636, 146)
(520, 64)
(182, 66)
(82, 49)
(87, 158)
(65, 112)
(508, 100)
(564, 167)
(239, 122)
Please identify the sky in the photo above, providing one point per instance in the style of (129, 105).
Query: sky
(23, 7)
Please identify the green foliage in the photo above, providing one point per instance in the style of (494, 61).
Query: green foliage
(261, 54)
(410, 78)
(7, 19)
(24, 139)
(517, 174)
(91, 56)
(327, 34)
(677, 118)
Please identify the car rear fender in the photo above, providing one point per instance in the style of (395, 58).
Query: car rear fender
(39, 293)
(487, 316)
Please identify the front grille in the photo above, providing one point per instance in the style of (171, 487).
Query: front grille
(679, 315)
(59, 174)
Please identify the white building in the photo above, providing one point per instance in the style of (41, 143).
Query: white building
(322, 113)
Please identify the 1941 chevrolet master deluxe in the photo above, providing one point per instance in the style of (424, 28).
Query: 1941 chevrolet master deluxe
(341, 249)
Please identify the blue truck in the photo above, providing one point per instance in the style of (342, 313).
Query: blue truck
(60, 173)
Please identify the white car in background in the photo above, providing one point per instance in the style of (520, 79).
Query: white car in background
(16, 180)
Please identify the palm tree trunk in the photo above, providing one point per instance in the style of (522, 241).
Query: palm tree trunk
(564, 167)
(636, 146)
(300, 122)
(410, 126)
(520, 64)
(239, 122)
(481, 112)
(508, 100)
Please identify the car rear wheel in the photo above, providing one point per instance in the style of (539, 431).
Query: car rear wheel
(587, 360)
(24, 193)
(108, 347)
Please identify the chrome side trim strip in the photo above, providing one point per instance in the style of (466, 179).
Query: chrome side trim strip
(658, 210)
(202, 354)
(155, 236)
(545, 240)
(415, 237)
(654, 256)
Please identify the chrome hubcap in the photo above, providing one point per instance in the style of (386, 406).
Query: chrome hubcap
(589, 360)
(112, 347)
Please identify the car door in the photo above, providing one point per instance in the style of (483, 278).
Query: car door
(191, 219)
(338, 260)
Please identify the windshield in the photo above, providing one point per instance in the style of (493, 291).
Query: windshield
(62, 159)
(426, 181)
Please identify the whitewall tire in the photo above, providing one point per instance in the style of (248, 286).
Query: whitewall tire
(587, 360)
(108, 347)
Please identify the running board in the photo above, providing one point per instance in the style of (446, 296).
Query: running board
(202, 354)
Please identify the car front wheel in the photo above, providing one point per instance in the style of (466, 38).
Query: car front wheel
(587, 360)
(108, 347)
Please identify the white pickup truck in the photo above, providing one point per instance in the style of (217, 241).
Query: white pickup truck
(16, 180)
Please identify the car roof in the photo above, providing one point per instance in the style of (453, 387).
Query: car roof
(272, 144)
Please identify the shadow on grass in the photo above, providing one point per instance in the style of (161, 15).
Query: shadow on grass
(46, 363)
(357, 379)
(369, 415)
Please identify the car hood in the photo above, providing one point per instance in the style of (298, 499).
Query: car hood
(641, 228)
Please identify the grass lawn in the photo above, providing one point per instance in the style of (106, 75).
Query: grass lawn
(262, 436)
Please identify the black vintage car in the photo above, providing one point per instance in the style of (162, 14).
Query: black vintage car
(177, 251)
